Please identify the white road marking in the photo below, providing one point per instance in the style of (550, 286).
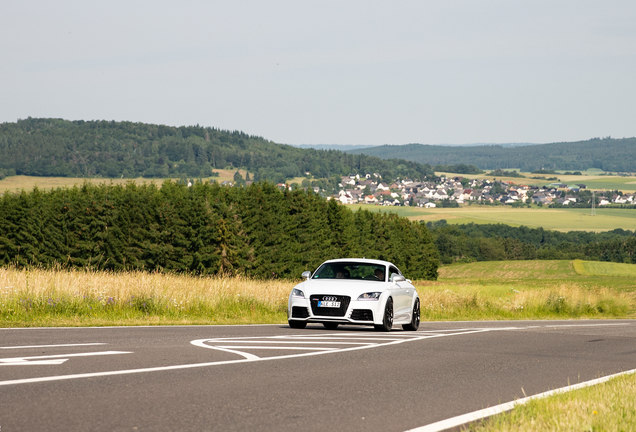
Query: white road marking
(248, 358)
(52, 346)
(498, 409)
(200, 343)
(37, 360)
(301, 342)
(421, 335)
(585, 325)
(345, 338)
(280, 348)
(33, 362)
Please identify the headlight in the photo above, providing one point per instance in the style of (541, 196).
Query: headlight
(297, 293)
(370, 296)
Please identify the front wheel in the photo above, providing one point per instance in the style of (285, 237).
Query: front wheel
(387, 319)
(415, 318)
(295, 324)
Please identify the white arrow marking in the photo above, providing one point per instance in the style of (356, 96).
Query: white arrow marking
(52, 346)
(17, 361)
(33, 362)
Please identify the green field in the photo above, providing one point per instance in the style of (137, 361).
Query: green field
(591, 179)
(625, 184)
(535, 217)
(540, 274)
(595, 268)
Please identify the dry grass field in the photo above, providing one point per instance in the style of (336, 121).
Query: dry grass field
(477, 291)
(524, 290)
(27, 183)
(59, 297)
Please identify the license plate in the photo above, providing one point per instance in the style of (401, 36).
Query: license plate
(330, 304)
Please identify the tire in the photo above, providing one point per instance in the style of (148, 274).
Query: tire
(295, 324)
(415, 318)
(387, 319)
(330, 325)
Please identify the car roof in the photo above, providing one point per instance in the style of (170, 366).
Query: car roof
(361, 260)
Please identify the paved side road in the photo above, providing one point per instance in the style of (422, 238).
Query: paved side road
(276, 378)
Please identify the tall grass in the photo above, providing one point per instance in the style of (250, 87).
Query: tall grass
(468, 302)
(61, 297)
(57, 297)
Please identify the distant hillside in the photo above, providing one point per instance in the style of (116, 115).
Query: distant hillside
(350, 147)
(55, 147)
(607, 154)
(341, 147)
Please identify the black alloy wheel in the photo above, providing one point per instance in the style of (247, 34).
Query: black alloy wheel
(387, 320)
(415, 318)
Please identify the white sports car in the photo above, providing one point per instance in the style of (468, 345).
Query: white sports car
(355, 291)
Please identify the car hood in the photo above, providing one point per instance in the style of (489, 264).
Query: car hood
(350, 287)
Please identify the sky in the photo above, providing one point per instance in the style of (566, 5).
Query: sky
(329, 72)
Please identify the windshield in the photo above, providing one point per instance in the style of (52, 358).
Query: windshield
(351, 270)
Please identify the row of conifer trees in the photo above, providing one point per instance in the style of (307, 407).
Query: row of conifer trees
(258, 231)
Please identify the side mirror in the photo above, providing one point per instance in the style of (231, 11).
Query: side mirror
(397, 278)
(306, 275)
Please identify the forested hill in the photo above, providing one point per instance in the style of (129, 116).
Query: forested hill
(607, 154)
(55, 147)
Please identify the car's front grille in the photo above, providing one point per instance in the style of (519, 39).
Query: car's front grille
(300, 312)
(362, 315)
(325, 311)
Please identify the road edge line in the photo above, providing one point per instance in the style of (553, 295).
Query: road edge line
(463, 419)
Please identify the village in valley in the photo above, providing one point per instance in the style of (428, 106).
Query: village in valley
(451, 192)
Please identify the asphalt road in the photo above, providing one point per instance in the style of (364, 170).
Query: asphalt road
(273, 378)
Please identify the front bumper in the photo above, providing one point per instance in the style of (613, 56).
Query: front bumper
(355, 312)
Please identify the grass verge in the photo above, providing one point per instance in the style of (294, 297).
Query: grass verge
(609, 406)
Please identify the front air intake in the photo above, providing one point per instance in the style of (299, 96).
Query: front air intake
(300, 312)
(362, 315)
